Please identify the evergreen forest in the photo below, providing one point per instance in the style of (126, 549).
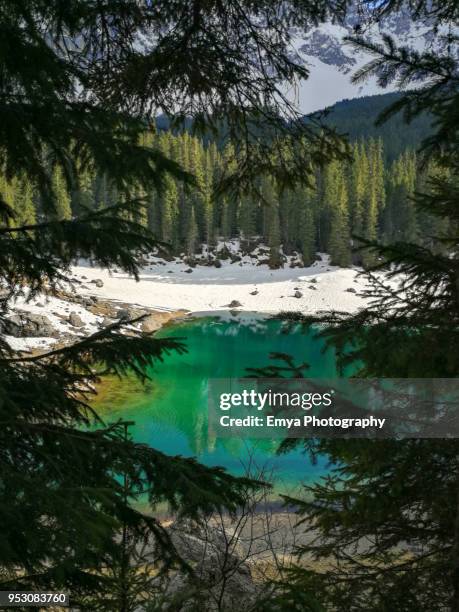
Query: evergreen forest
(365, 196)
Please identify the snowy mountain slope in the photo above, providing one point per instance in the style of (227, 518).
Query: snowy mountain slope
(332, 61)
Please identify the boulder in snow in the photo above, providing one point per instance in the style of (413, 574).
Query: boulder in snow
(75, 320)
(29, 325)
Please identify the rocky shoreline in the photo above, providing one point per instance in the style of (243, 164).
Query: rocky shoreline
(59, 319)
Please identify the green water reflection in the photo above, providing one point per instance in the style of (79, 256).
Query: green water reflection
(170, 412)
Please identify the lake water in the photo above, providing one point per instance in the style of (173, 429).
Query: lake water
(170, 411)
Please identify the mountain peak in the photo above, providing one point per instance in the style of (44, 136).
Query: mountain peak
(332, 61)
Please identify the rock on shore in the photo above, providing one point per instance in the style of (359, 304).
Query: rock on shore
(37, 324)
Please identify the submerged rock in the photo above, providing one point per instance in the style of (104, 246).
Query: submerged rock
(156, 320)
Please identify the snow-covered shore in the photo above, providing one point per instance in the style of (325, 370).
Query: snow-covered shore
(167, 289)
(171, 286)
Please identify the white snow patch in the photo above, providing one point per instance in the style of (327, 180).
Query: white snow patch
(54, 309)
(167, 286)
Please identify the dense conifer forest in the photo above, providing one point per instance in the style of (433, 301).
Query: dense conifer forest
(358, 118)
(369, 196)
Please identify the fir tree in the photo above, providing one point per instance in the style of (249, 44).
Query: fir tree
(288, 216)
(385, 522)
(336, 199)
(308, 238)
(79, 90)
(358, 183)
(307, 224)
(61, 195)
(208, 208)
(192, 236)
(339, 240)
(273, 232)
(246, 221)
(18, 194)
(403, 222)
(169, 201)
(24, 205)
(225, 223)
(154, 213)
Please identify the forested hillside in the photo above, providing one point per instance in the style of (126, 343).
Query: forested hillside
(368, 197)
(357, 119)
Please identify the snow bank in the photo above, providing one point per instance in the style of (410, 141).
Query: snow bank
(57, 311)
(171, 285)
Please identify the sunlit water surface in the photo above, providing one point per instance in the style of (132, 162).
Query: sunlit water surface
(170, 411)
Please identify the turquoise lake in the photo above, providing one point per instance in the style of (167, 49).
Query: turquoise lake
(170, 411)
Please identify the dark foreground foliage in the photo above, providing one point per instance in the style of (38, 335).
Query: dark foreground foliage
(384, 524)
(80, 84)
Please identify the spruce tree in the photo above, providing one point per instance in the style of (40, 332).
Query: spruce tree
(78, 89)
(208, 202)
(154, 213)
(225, 223)
(61, 195)
(385, 522)
(374, 200)
(336, 200)
(246, 221)
(307, 222)
(270, 205)
(339, 242)
(192, 235)
(169, 202)
(308, 237)
(229, 202)
(288, 216)
(358, 182)
(83, 192)
(24, 204)
(18, 195)
(402, 188)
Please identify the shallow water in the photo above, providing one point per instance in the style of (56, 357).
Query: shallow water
(170, 411)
